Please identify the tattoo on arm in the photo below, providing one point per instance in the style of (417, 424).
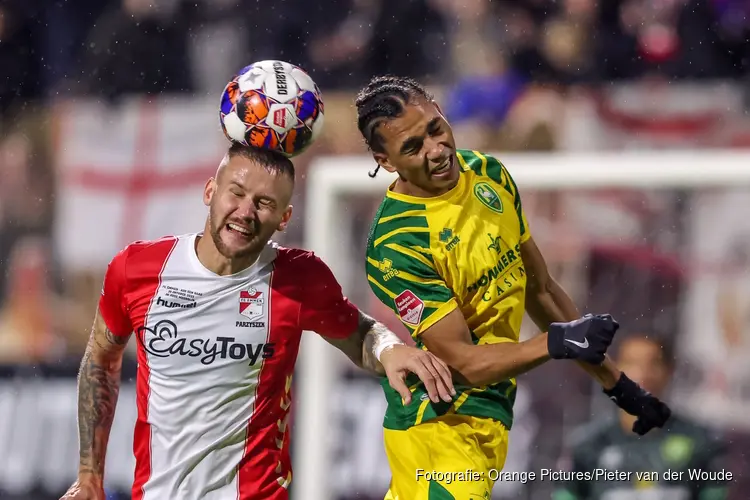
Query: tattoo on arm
(115, 339)
(98, 389)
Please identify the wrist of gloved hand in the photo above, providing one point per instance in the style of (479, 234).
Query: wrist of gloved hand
(585, 339)
(633, 399)
(556, 343)
(628, 395)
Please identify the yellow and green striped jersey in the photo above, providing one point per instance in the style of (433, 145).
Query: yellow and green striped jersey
(429, 256)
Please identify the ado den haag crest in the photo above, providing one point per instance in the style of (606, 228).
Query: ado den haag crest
(488, 196)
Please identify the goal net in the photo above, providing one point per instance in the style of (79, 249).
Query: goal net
(659, 239)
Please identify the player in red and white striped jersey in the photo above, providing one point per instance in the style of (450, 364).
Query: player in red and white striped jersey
(218, 317)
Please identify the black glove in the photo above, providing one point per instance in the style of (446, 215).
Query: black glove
(631, 397)
(586, 338)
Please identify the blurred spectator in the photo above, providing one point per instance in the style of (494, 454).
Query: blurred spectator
(68, 25)
(611, 444)
(484, 88)
(26, 318)
(20, 59)
(673, 39)
(25, 191)
(140, 47)
(344, 42)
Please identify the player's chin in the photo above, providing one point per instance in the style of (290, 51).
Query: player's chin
(237, 243)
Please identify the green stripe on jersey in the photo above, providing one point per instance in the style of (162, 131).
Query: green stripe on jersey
(437, 491)
(496, 402)
(391, 206)
(403, 262)
(471, 160)
(414, 241)
(396, 285)
(496, 171)
(417, 223)
(516, 201)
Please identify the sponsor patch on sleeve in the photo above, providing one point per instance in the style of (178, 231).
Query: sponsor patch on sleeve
(409, 307)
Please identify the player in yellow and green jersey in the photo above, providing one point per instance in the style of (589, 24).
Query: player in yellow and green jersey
(451, 252)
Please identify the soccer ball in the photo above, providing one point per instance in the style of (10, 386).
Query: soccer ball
(272, 105)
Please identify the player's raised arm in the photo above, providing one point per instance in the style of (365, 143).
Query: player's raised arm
(367, 342)
(406, 281)
(547, 303)
(484, 364)
(99, 385)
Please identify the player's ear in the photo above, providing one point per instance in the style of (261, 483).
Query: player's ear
(383, 161)
(285, 218)
(209, 190)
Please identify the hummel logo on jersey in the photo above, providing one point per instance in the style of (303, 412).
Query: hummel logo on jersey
(163, 342)
(171, 304)
(582, 345)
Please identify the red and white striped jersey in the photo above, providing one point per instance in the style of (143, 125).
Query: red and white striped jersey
(215, 361)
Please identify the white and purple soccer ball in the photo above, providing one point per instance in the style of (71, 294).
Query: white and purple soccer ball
(272, 105)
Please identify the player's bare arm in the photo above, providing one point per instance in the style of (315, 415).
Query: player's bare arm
(98, 389)
(450, 340)
(547, 303)
(373, 340)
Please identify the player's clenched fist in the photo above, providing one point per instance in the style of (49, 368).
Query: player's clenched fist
(84, 490)
(399, 360)
(585, 339)
(632, 398)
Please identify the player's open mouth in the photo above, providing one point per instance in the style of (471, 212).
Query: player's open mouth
(443, 169)
(239, 230)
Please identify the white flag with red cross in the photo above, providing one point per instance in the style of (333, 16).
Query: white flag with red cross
(131, 171)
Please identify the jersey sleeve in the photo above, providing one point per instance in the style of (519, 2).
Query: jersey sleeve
(112, 301)
(407, 282)
(507, 182)
(324, 308)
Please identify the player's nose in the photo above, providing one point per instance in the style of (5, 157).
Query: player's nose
(246, 209)
(435, 151)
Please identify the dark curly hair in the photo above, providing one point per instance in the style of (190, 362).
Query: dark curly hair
(384, 98)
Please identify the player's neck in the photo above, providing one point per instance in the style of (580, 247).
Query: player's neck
(210, 257)
(404, 187)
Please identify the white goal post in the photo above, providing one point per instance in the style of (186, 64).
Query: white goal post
(331, 179)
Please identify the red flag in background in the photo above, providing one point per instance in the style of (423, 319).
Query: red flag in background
(130, 171)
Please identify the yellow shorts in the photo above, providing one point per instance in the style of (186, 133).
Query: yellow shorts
(449, 457)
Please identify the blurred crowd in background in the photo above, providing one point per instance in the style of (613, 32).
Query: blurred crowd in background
(497, 65)
(512, 75)
(111, 47)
